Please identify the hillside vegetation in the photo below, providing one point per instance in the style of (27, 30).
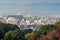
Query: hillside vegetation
(45, 32)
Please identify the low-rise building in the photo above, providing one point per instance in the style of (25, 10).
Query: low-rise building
(12, 20)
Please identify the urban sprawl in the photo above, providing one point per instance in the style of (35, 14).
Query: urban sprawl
(28, 21)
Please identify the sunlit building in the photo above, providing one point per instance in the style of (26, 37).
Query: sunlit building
(12, 20)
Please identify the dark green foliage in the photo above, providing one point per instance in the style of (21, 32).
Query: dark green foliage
(12, 32)
(54, 38)
(14, 35)
(27, 31)
(45, 29)
(5, 28)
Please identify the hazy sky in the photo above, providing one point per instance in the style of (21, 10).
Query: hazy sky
(37, 7)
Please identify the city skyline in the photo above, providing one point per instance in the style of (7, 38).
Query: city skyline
(37, 7)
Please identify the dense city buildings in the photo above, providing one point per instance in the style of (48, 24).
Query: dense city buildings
(28, 22)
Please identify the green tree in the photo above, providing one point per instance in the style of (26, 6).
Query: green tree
(8, 36)
(13, 35)
(54, 38)
(45, 29)
(4, 28)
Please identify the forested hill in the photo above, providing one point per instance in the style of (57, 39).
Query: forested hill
(45, 32)
(12, 32)
(4, 28)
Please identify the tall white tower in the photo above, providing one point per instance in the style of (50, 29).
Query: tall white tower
(29, 14)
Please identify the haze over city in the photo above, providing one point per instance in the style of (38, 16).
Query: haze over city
(37, 7)
(29, 19)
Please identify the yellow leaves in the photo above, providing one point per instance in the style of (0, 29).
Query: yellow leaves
(29, 35)
(57, 24)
